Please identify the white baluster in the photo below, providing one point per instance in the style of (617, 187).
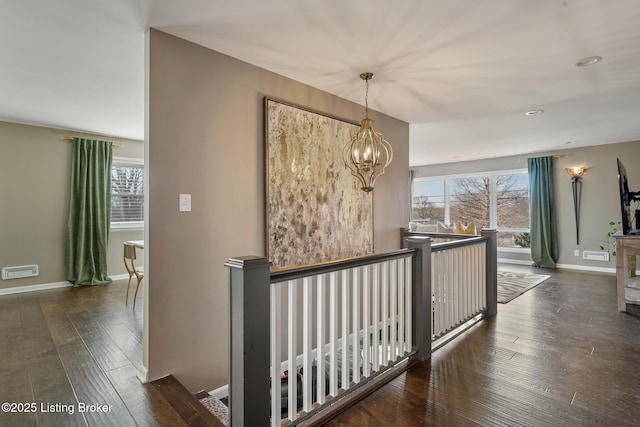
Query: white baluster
(375, 357)
(321, 320)
(409, 303)
(366, 328)
(334, 314)
(355, 327)
(451, 267)
(461, 312)
(440, 277)
(307, 342)
(393, 306)
(385, 313)
(483, 276)
(439, 294)
(455, 268)
(401, 286)
(293, 343)
(345, 329)
(478, 272)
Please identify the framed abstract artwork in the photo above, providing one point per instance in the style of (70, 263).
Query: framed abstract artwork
(315, 210)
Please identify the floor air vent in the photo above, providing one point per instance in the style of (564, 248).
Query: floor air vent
(19, 272)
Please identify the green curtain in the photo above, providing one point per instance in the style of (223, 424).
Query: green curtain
(89, 212)
(544, 235)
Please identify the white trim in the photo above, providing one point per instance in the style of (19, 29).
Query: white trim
(32, 288)
(586, 268)
(561, 266)
(514, 250)
(48, 286)
(220, 392)
(127, 226)
(127, 161)
(515, 261)
(144, 375)
(473, 174)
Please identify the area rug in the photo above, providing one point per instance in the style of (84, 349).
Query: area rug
(512, 284)
(217, 408)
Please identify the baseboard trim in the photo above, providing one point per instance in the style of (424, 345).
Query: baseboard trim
(144, 375)
(220, 392)
(576, 267)
(514, 261)
(48, 286)
(32, 288)
(586, 268)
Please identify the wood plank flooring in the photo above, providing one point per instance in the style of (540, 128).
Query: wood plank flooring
(65, 346)
(559, 355)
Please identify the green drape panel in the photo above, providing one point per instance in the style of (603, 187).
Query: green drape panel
(89, 212)
(544, 235)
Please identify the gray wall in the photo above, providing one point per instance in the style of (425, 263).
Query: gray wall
(35, 174)
(206, 139)
(600, 201)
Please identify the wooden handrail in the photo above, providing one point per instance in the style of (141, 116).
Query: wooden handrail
(330, 266)
(436, 247)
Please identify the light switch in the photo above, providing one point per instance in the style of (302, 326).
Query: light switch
(185, 203)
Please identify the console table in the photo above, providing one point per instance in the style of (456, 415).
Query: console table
(628, 283)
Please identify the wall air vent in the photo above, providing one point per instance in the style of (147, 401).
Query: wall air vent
(19, 272)
(595, 255)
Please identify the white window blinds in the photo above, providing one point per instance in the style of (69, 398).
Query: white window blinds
(127, 192)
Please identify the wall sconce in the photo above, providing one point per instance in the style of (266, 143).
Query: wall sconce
(576, 183)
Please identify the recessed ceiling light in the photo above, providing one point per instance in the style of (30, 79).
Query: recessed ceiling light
(534, 112)
(589, 60)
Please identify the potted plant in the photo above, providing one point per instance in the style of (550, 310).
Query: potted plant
(609, 243)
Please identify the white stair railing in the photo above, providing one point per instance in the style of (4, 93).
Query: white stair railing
(359, 344)
(458, 280)
(339, 328)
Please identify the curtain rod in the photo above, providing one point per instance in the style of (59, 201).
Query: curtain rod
(70, 139)
(524, 159)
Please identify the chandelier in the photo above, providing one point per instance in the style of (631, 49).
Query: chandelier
(368, 153)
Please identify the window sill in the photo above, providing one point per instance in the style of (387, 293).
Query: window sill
(127, 226)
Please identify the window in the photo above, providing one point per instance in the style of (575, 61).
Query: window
(471, 200)
(493, 200)
(512, 209)
(428, 201)
(127, 193)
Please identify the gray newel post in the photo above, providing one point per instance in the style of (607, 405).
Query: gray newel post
(422, 300)
(492, 271)
(249, 341)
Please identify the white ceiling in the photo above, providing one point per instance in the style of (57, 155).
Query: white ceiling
(461, 72)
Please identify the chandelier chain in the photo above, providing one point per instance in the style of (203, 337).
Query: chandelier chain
(366, 99)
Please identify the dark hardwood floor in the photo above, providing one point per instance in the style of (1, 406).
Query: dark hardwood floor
(63, 347)
(559, 355)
